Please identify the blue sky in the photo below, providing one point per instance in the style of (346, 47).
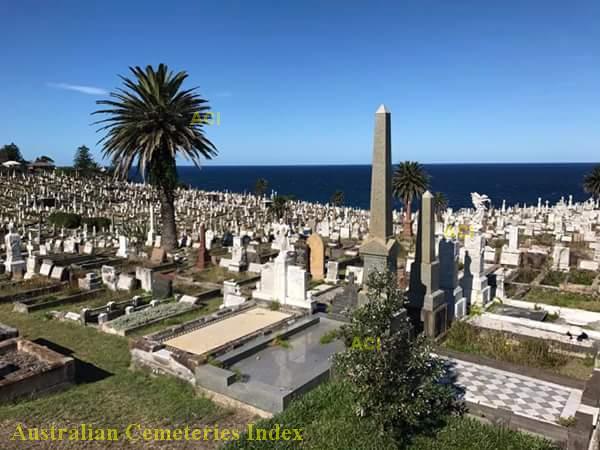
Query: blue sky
(298, 82)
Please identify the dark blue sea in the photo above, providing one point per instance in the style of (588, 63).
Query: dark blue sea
(515, 183)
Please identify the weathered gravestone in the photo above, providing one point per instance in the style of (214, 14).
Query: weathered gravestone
(59, 273)
(162, 286)
(158, 256)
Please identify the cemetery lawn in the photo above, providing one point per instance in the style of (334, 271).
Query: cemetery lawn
(326, 415)
(107, 392)
(528, 352)
(564, 299)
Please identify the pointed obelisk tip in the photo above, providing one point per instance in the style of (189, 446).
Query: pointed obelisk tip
(382, 110)
(427, 194)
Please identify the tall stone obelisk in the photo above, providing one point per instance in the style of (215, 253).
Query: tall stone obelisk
(425, 293)
(379, 251)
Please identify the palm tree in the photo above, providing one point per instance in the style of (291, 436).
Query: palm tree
(409, 182)
(261, 186)
(337, 199)
(440, 204)
(591, 182)
(150, 121)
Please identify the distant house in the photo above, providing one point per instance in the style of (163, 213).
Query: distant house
(42, 164)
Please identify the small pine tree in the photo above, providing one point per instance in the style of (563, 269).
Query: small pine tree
(398, 383)
(10, 152)
(261, 186)
(337, 199)
(83, 159)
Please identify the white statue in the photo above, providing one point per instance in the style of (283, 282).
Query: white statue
(479, 202)
(12, 242)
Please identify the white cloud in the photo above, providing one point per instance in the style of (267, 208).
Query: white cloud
(90, 90)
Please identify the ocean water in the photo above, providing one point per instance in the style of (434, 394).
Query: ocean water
(515, 183)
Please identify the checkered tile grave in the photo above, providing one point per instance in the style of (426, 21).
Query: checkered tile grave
(522, 395)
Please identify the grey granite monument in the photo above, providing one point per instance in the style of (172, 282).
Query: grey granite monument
(455, 301)
(425, 293)
(379, 251)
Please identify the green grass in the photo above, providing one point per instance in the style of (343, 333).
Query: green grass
(108, 392)
(563, 299)
(554, 278)
(327, 417)
(281, 342)
(585, 277)
(210, 307)
(9, 288)
(330, 336)
(529, 352)
(543, 239)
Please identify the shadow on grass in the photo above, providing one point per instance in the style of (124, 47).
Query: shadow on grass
(84, 371)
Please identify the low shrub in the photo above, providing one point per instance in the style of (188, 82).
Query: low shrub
(63, 219)
(585, 277)
(139, 318)
(275, 306)
(99, 222)
(553, 278)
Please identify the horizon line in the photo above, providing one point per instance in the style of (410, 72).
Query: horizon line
(393, 164)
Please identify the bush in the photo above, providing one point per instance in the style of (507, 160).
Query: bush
(398, 384)
(66, 220)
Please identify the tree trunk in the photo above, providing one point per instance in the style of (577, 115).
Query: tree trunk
(167, 211)
(407, 224)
